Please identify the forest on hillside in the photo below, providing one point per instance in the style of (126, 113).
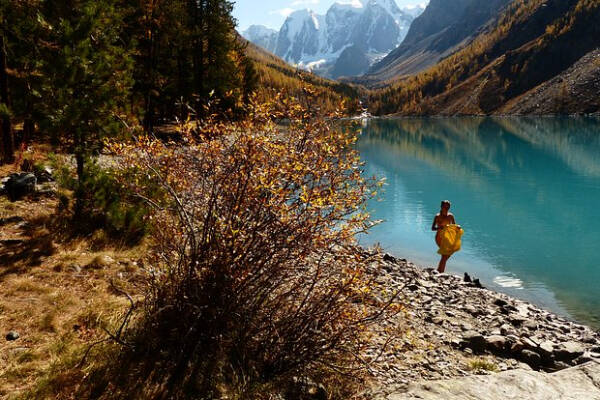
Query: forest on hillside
(75, 71)
(79, 70)
(527, 44)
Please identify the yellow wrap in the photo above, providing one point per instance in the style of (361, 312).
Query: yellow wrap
(450, 239)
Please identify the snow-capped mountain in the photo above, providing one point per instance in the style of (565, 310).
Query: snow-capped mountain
(366, 28)
(415, 10)
(262, 36)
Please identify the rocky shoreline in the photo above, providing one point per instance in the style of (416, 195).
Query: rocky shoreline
(451, 328)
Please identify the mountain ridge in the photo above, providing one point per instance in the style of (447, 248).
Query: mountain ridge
(439, 31)
(316, 42)
(531, 49)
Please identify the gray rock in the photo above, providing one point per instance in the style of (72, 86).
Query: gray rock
(496, 343)
(12, 335)
(413, 287)
(506, 329)
(474, 340)
(584, 358)
(577, 383)
(568, 351)
(389, 258)
(546, 348)
(471, 310)
(565, 329)
(531, 358)
(589, 338)
(44, 174)
(500, 302)
(20, 184)
(558, 365)
(529, 343)
(530, 325)
(516, 345)
(517, 320)
(465, 326)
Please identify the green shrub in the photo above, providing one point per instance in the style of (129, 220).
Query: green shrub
(107, 203)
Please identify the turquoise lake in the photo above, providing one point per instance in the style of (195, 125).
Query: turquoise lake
(526, 191)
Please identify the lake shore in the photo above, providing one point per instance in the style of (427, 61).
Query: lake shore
(450, 328)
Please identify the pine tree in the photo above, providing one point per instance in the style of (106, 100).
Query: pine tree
(215, 48)
(8, 146)
(20, 78)
(89, 76)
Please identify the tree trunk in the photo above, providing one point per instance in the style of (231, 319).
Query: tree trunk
(8, 141)
(28, 129)
(80, 192)
(149, 114)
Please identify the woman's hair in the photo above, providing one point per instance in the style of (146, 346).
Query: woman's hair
(445, 203)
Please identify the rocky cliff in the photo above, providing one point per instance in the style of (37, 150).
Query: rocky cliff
(441, 29)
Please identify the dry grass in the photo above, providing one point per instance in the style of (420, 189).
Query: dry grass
(481, 365)
(56, 304)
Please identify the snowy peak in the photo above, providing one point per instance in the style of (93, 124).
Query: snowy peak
(356, 4)
(258, 31)
(414, 10)
(302, 34)
(307, 39)
(389, 5)
(262, 36)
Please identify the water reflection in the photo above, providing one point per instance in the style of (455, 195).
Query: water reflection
(525, 189)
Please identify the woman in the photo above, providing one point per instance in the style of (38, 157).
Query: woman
(440, 222)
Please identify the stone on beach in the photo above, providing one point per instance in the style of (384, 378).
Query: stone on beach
(578, 383)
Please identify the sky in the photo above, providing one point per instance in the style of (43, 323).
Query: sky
(272, 13)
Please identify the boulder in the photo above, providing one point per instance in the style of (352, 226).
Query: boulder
(506, 329)
(496, 343)
(12, 335)
(532, 325)
(474, 340)
(532, 358)
(576, 383)
(44, 174)
(546, 348)
(500, 302)
(20, 184)
(568, 351)
(389, 258)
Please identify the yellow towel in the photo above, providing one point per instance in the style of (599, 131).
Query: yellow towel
(450, 241)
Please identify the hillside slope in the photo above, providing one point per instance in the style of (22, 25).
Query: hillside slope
(512, 66)
(443, 28)
(276, 76)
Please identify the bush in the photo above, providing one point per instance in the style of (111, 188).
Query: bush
(107, 204)
(255, 269)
